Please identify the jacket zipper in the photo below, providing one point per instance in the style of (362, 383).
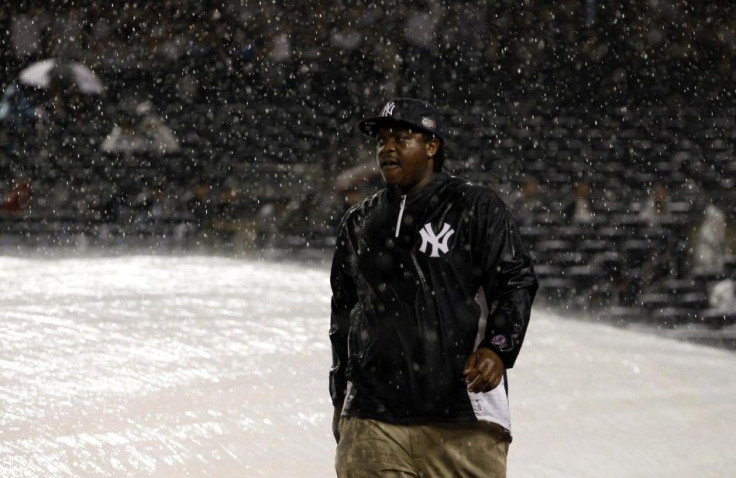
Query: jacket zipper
(401, 215)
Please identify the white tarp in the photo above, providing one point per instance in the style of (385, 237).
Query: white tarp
(206, 366)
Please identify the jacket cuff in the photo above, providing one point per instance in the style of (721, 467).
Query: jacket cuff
(338, 390)
(338, 400)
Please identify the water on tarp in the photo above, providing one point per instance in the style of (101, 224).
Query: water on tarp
(212, 366)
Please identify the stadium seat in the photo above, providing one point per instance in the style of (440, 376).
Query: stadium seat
(669, 317)
(717, 318)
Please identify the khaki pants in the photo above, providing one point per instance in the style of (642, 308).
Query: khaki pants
(369, 448)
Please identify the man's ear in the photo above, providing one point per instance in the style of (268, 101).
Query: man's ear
(433, 145)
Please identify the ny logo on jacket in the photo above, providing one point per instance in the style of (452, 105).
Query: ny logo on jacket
(438, 241)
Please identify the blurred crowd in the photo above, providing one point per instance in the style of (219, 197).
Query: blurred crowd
(244, 45)
(197, 83)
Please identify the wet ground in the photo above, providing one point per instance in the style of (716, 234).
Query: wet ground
(212, 366)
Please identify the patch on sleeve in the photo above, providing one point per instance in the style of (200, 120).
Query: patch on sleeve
(498, 341)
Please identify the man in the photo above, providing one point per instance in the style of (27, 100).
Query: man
(431, 296)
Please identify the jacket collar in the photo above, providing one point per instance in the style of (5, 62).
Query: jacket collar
(442, 175)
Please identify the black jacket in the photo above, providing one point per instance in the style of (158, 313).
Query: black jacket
(409, 275)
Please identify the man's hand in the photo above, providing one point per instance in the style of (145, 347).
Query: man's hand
(335, 422)
(483, 370)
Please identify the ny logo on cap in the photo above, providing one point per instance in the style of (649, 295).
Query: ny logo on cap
(428, 122)
(388, 110)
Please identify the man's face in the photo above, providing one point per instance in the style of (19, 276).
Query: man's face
(405, 158)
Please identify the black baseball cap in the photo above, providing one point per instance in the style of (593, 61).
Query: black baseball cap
(405, 112)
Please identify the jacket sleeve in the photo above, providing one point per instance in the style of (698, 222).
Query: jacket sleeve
(344, 298)
(509, 281)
